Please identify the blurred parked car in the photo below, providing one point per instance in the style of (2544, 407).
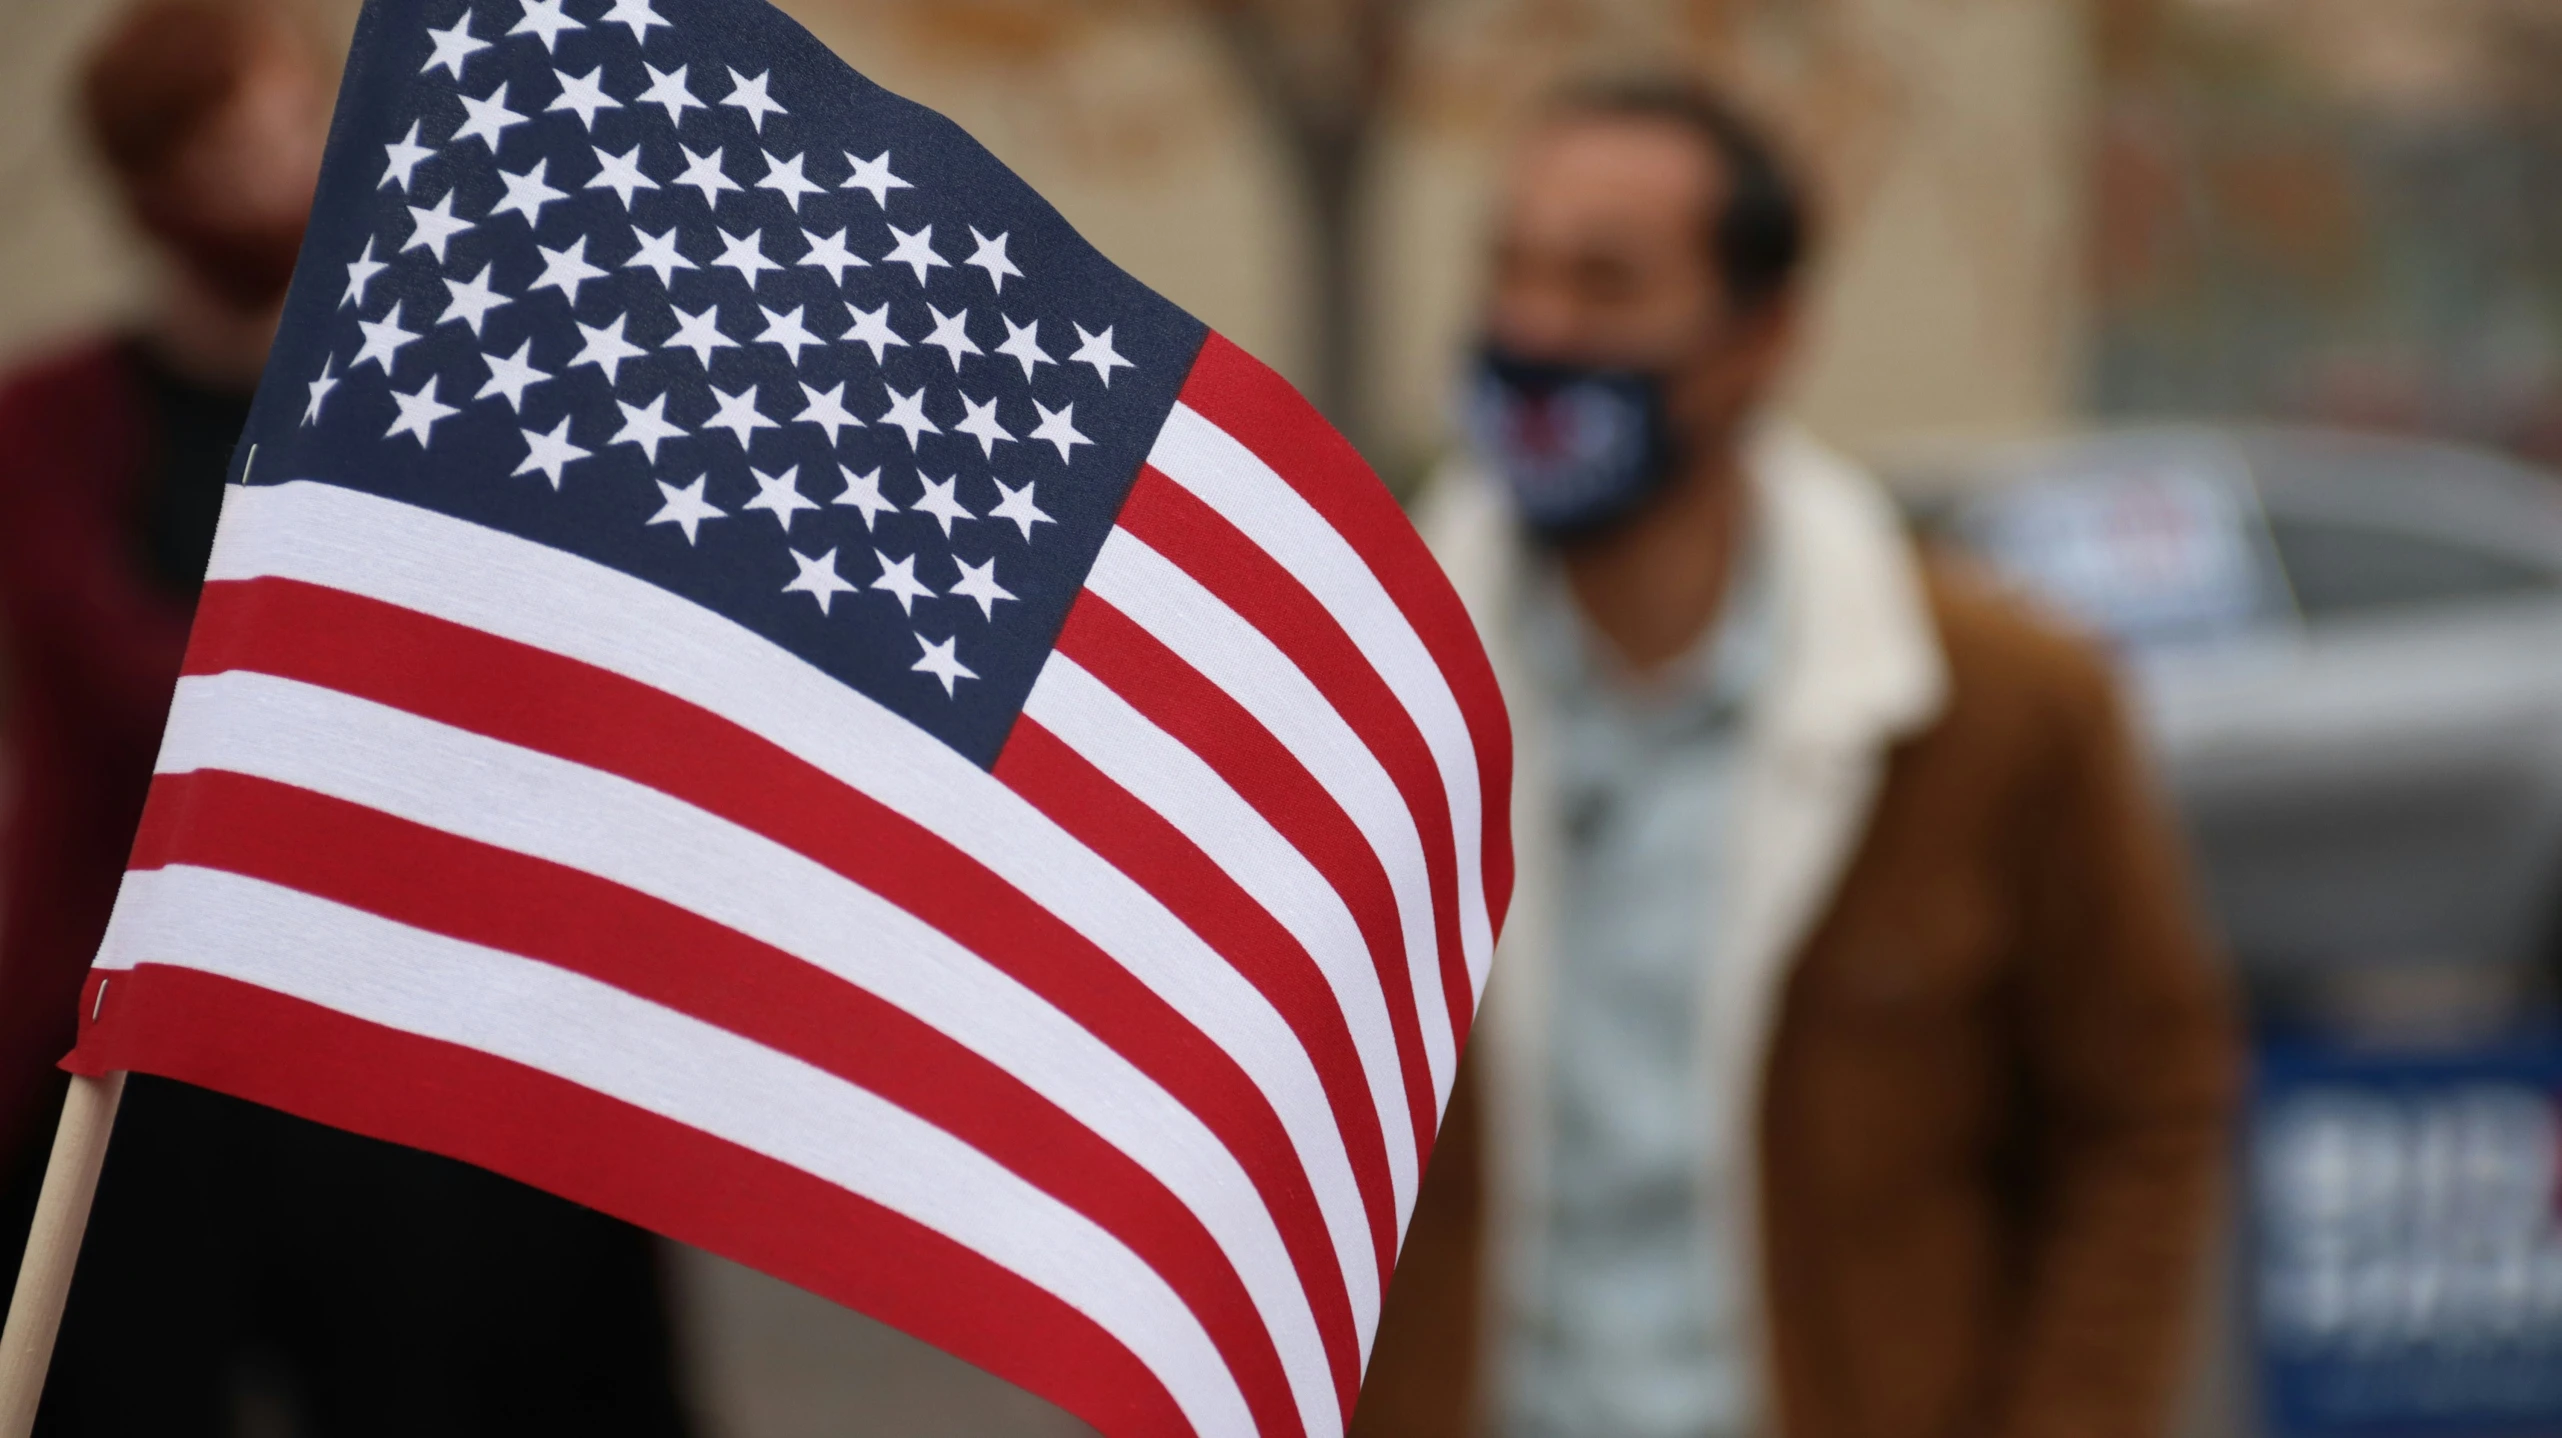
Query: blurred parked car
(2348, 651)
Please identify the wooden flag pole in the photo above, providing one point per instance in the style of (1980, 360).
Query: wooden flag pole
(53, 1247)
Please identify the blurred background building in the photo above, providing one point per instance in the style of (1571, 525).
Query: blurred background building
(2041, 215)
(2345, 212)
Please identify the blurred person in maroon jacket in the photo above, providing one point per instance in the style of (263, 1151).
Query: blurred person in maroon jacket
(384, 1290)
(112, 460)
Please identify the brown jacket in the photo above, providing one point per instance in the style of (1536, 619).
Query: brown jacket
(1990, 1100)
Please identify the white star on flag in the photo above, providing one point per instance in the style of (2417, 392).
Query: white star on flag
(637, 14)
(737, 413)
(827, 410)
(583, 94)
(667, 87)
(620, 174)
(981, 425)
(549, 453)
(704, 173)
(434, 227)
(658, 254)
(907, 414)
(750, 95)
(779, 495)
(565, 270)
(863, 492)
(527, 194)
(916, 250)
(383, 339)
(1097, 351)
(472, 300)
(489, 118)
(952, 336)
(700, 333)
(874, 175)
(818, 578)
(785, 330)
(941, 662)
(321, 387)
(1017, 506)
(784, 178)
(745, 254)
(361, 271)
(510, 376)
(400, 160)
(939, 502)
(645, 426)
(898, 576)
(991, 258)
(978, 581)
(1059, 428)
(685, 507)
(453, 46)
(1023, 342)
(418, 412)
(828, 252)
(605, 348)
(872, 327)
(543, 20)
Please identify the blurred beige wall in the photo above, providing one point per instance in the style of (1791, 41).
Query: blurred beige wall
(1950, 135)
(64, 261)
(1953, 304)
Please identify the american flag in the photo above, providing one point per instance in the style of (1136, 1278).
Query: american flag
(752, 679)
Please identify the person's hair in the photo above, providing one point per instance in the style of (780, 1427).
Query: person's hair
(160, 71)
(1763, 229)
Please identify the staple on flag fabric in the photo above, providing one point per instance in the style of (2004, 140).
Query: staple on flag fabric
(762, 685)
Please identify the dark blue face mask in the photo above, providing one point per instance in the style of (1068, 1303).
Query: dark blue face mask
(1580, 448)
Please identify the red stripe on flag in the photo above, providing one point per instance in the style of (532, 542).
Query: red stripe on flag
(623, 1160)
(576, 711)
(1139, 842)
(1207, 720)
(1197, 539)
(1239, 394)
(499, 899)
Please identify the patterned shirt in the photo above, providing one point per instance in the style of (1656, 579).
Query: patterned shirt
(1633, 1329)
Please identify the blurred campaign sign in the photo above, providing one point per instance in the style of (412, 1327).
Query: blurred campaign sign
(2405, 1240)
(754, 680)
(2152, 538)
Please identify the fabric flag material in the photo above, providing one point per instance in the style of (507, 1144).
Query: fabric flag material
(753, 680)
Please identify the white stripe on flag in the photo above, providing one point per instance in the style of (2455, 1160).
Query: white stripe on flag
(1155, 767)
(555, 601)
(527, 802)
(1235, 656)
(601, 1038)
(1233, 480)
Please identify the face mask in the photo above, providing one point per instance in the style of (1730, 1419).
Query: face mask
(1581, 449)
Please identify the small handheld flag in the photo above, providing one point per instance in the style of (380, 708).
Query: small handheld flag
(757, 682)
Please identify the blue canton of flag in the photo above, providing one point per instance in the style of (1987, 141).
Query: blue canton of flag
(674, 289)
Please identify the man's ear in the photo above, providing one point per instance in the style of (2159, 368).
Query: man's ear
(1767, 336)
(1757, 355)
(1742, 367)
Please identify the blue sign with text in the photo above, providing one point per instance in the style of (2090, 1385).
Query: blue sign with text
(2405, 1240)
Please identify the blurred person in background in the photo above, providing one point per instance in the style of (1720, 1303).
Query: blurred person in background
(1854, 1065)
(234, 1251)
